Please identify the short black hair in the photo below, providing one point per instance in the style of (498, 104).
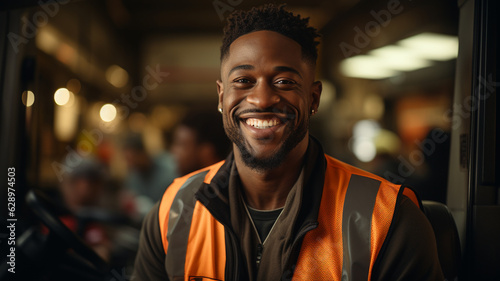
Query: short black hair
(273, 18)
(208, 127)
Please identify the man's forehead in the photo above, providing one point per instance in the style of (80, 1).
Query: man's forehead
(263, 46)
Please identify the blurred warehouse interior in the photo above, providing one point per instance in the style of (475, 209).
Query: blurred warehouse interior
(108, 68)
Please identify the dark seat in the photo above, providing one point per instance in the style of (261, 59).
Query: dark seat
(447, 239)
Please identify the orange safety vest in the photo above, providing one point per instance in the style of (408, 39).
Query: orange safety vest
(359, 203)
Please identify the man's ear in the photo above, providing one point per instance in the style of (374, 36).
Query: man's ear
(316, 90)
(220, 92)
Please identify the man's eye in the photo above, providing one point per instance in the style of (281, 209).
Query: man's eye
(285, 82)
(242, 80)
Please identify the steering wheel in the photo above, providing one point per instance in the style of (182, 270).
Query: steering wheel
(79, 258)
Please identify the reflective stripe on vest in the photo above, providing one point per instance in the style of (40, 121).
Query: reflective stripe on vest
(179, 224)
(356, 224)
(190, 234)
(355, 216)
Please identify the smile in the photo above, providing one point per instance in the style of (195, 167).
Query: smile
(263, 123)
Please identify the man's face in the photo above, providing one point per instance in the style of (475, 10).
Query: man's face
(185, 149)
(137, 160)
(267, 93)
(80, 192)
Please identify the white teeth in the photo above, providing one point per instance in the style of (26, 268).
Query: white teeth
(262, 124)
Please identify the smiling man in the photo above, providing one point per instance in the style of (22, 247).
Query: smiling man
(278, 208)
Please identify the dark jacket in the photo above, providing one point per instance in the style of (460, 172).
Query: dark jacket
(384, 235)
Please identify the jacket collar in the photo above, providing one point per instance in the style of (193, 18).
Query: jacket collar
(315, 166)
(215, 195)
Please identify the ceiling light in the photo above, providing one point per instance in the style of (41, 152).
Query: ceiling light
(28, 98)
(432, 46)
(364, 66)
(409, 54)
(47, 40)
(62, 96)
(117, 76)
(108, 112)
(399, 58)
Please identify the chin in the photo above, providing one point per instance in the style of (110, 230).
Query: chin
(267, 160)
(262, 163)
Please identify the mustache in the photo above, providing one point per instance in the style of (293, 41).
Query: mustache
(285, 111)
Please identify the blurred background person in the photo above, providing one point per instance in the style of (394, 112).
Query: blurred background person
(82, 191)
(148, 176)
(199, 141)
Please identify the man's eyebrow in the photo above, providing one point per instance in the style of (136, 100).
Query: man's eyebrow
(287, 69)
(277, 68)
(243, 66)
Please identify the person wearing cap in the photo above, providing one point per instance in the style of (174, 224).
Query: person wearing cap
(82, 189)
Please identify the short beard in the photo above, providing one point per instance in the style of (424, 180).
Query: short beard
(277, 158)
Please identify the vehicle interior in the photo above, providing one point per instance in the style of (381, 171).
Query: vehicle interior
(409, 93)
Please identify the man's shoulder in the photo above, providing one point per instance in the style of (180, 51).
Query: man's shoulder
(208, 173)
(343, 171)
(349, 170)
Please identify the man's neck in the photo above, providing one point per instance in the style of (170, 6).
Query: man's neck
(268, 190)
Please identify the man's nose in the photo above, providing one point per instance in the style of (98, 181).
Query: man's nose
(263, 96)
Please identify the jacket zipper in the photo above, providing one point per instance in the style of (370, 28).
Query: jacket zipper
(260, 248)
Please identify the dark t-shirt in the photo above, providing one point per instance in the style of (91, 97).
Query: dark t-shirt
(264, 220)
